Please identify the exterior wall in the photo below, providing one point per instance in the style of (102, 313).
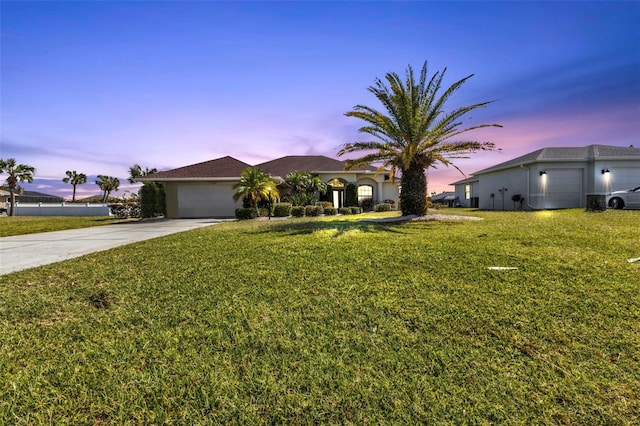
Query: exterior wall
(60, 209)
(496, 189)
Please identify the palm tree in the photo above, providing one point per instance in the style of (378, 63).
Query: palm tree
(415, 134)
(75, 179)
(136, 171)
(255, 186)
(17, 173)
(107, 184)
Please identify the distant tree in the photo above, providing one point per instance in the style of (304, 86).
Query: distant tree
(75, 179)
(16, 173)
(136, 171)
(255, 186)
(414, 133)
(107, 184)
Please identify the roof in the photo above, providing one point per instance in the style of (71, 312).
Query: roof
(310, 163)
(584, 153)
(444, 196)
(229, 168)
(224, 167)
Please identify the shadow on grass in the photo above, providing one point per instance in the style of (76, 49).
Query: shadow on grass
(341, 227)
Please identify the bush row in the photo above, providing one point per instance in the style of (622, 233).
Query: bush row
(286, 209)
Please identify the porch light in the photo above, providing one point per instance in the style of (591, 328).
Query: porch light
(543, 172)
(605, 170)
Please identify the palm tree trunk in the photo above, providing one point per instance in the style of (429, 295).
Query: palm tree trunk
(13, 202)
(413, 198)
(73, 199)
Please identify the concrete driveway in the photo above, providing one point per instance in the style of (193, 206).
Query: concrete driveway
(28, 251)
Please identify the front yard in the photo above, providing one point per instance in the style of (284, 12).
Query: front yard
(331, 320)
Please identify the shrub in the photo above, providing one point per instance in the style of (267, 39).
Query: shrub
(351, 195)
(312, 210)
(324, 204)
(330, 211)
(263, 212)
(367, 205)
(383, 207)
(246, 213)
(282, 209)
(297, 211)
(344, 210)
(355, 210)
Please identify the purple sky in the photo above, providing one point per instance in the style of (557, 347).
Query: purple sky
(98, 86)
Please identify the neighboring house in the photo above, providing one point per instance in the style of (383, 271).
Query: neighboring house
(551, 178)
(206, 189)
(447, 198)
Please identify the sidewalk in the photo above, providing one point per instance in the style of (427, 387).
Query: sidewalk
(28, 251)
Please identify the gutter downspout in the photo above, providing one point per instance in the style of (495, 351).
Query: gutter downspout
(528, 187)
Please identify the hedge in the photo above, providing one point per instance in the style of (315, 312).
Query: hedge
(383, 207)
(282, 209)
(297, 211)
(246, 213)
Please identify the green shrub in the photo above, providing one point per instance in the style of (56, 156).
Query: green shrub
(344, 210)
(263, 212)
(297, 211)
(246, 213)
(355, 210)
(324, 204)
(351, 195)
(330, 211)
(383, 207)
(282, 209)
(312, 211)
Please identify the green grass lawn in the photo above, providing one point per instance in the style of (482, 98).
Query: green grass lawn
(329, 320)
(19, 225)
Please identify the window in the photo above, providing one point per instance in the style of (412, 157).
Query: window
(467, 192)
(365, 192)
(336, 183)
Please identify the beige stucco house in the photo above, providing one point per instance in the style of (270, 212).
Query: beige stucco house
(551, 178)
(206, 189)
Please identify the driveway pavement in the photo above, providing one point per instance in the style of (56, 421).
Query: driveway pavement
(28, 251)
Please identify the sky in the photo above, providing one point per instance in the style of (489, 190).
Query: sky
(99, 86)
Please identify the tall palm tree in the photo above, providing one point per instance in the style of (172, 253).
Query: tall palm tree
(136, 171)
(17, 173)
(416, 133)
(255, 185)
(107, 184)
(75, 179)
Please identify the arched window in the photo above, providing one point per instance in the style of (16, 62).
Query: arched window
(336, 183)
(365, 192)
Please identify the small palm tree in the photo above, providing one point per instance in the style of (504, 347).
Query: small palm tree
(304, 186)
(415, 133)
(107, 184)
(75, 179)
(136, 171)
(16, 173)
(255, 186)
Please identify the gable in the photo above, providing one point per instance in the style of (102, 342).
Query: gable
(224, 167)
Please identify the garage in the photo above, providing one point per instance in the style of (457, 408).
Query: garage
(564, 188)
(212, 199)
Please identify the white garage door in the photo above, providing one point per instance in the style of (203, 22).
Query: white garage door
(206, 200)
(564, 188)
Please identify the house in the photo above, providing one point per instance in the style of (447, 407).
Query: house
(206, 189)
(446, 198)
(551, 178)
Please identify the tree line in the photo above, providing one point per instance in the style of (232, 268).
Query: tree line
(18, 173)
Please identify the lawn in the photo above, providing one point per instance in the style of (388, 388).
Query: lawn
(19, 225)
(330, 320)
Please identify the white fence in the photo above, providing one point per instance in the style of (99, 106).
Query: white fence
(60, 209)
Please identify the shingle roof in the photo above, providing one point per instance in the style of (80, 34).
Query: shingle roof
(220, 168)
(582, 153)
(310, 163)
